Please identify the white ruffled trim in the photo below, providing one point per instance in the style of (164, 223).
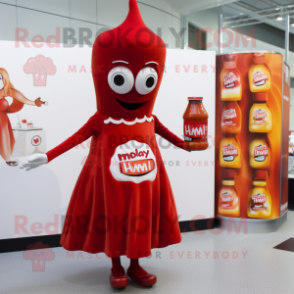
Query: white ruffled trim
(128, 123)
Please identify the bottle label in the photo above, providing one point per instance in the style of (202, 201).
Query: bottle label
(259, 116)
(227, 199)
(230, 80)
(130, 164)
(228, 117)
(137, 168)
(230, 152)
(260, 78)
(258, 202)
(195, 129)
(260, 153)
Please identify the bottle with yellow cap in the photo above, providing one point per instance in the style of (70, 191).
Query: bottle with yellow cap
(260, 116)
(259, 75)
(259, 200)
(228, 200)
(230, 152)
(260, 152)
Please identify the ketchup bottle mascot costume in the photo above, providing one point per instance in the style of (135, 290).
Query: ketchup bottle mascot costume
(122, 203)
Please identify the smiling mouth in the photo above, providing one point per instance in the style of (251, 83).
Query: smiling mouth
(130, 106)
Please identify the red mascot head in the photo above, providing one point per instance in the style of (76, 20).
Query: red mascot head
(127, 66)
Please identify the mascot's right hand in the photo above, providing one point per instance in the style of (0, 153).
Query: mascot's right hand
(35, 161)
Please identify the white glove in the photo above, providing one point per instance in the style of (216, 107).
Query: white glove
(35, 161)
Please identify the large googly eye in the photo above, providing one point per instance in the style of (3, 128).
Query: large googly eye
(121, 80)
(146, 80)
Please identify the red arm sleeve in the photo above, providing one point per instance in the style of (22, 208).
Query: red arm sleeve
(165, 133)
(91, 128)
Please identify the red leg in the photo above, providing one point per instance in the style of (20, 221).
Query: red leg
(118, 278)
(139, 275)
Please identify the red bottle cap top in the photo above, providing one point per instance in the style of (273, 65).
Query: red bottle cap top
(260, 97)
(195, 98)
(259, 175)
(229, 173)
(229, 57)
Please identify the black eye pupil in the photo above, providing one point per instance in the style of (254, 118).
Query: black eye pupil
(119, 80)
(150, 82)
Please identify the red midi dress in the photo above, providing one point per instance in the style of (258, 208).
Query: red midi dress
(122, 203)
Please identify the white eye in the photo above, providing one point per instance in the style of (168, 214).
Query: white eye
(121, 80)
(146, 80)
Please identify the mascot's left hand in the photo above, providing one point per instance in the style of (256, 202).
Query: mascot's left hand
(35, 161)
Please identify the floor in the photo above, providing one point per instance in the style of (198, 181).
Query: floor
(208, 262)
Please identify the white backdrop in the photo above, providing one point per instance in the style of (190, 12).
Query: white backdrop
(34, 203)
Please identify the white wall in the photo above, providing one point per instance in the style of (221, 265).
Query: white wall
(42, 194)
(41, 17)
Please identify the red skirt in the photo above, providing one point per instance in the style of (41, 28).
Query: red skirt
(122, 203)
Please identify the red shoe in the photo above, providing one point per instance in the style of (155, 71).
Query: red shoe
(119, 281)
(145, 281)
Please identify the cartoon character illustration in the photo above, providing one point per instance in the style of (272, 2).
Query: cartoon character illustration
(7, 140)
(40, 67)
(122, 203)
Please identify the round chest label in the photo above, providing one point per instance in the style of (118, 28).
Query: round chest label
(133, 162)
